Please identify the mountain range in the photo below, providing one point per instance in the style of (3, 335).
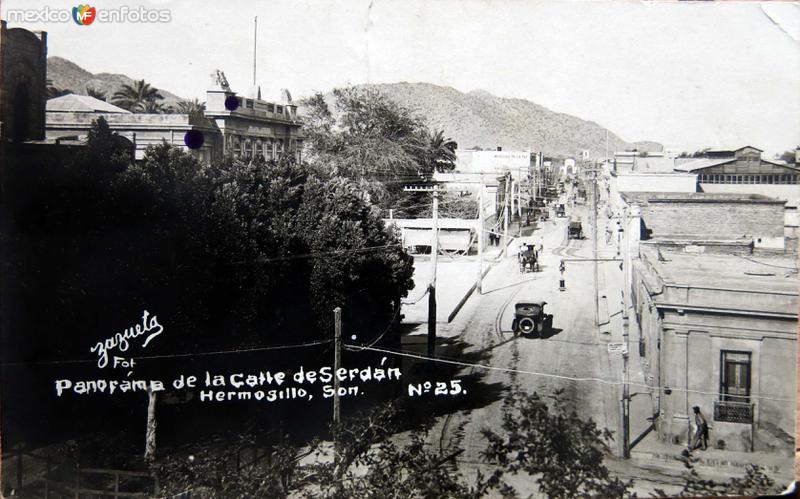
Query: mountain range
(472, 119)
(480, 119)
(66, 75)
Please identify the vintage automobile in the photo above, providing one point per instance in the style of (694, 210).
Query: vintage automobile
(544, 216)
(528, 259)
(530, 319)
(575, 230)
(560, 211)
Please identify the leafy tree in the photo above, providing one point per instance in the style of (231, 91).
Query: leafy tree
(788, 156)
(136, 97)
(371, 139)
(106, 149)
(564, 452)
(370, 465)
(96, 93)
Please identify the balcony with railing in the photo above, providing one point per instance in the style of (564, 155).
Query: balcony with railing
(733, 412)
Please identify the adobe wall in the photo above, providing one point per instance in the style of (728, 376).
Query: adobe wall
(719, 220)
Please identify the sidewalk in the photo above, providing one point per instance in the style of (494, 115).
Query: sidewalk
(650, 452)
(710, 463)
(456, 277)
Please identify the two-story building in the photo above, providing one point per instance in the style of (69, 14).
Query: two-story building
(241, 126)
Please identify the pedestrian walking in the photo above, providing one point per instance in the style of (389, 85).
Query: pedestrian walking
(700, 439)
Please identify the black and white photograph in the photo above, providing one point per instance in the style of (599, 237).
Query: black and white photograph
(372, 249)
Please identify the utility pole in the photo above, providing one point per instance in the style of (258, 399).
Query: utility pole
(434, 257)
(506, 205)
(255, 38)
(481, 235)
(594, 248)
(626, 397)
(514, 187)
(150, 436)
(432, 286)
(337, 363)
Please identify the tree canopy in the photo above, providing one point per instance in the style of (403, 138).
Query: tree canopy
(371, 139)
(138, 97)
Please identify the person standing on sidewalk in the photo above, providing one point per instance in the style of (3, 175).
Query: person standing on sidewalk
(701, 431)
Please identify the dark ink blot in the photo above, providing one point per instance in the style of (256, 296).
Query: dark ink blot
(231, 103)
(193, 139)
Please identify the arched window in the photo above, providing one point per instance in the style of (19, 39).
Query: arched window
(236, 148)
(247, 149)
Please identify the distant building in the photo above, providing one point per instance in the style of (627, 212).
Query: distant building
(743, 166)
(569, 167)
(231, 125)
(455, 234)
(746, 220)
(497, 162)
(71, 116)
(744, 171)
(719, 332)
(652, 182)
(23, 83)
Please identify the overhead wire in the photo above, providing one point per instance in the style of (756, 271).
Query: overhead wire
(547, 375)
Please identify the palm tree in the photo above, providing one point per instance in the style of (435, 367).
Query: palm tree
(191, 107)
(97, 94)
(136, 97)
(151, 107)
(441, 151)
(53, 91)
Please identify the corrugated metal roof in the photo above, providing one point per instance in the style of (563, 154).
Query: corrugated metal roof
(703, 163)
(73, 103)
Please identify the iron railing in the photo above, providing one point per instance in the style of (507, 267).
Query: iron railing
(733, 412)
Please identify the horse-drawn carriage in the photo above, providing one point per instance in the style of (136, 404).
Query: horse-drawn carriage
(528, 258)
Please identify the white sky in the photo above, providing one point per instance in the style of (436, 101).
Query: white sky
(687, 75)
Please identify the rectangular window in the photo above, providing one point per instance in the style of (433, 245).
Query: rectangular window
(734, 404)
(248, 103)
(279, 109)
(735, 376)
(270, 108)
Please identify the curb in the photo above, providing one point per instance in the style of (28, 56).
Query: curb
(466, 296)
(471, 290)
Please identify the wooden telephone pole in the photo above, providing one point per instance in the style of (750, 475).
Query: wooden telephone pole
(337, 363)
(434, 259)
(481, 235)
(626, 395)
